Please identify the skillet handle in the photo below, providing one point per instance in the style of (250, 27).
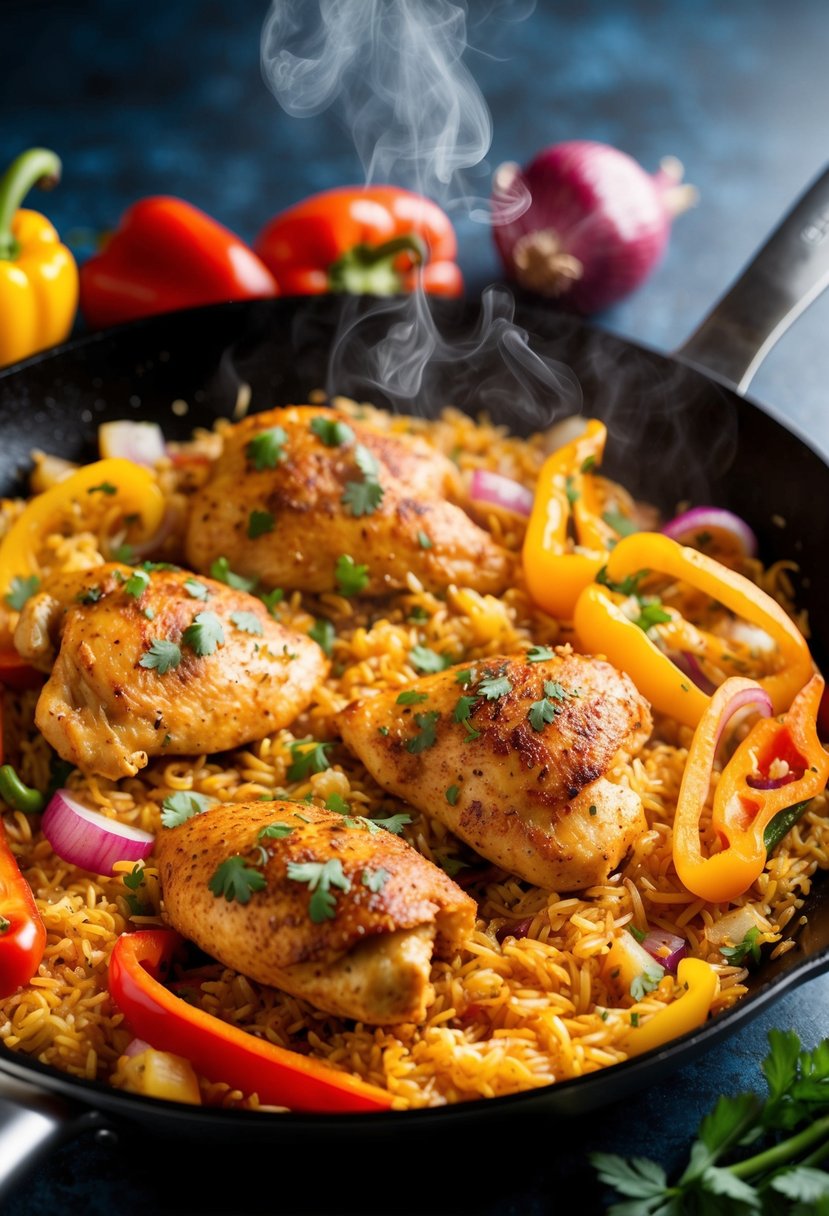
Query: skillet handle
(783, 278)
(33, 1121)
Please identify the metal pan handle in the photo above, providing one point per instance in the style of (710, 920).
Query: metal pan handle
(783, 278)
(31, 1122)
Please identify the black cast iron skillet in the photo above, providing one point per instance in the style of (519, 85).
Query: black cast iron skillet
(677, 432)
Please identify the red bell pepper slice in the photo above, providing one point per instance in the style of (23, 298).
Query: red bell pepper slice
(16, 672)
(379, 240)
(216, 1049)
(22, 932)
(165, 255)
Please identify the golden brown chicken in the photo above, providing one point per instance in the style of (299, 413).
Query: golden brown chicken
(330, 908)
(159, 663)
(511, 754)
(300, 496)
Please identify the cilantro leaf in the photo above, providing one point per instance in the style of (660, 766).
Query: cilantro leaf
(539, 654)
(393, 823)
(424, 540)
(183, 805)
(366, 462)
(220, 570)
(338, 804)
(411, 696)
(541, 713)
(493, 687)
(308, 756)
(645, 982)
(267, 448)
(651, 613)
(623, 525)
(20, 590)
(362, 497)
(196, 589)
(426, 660)
(248, 622)
(748, 946)
(320, 877)
(453, 794)
(137, 583)
(106, 487)
(427, 736)
(135, 878)
(260, 523)
(274, 831)
(351, 578)
(465, 677)
(205, 634)
(90, 596)
(162, 655)
(271, 598)
(463, 708)
(628, 585)
(236, 880)
(375, 880)
(324, 634)
(332, 432)
(124, 553)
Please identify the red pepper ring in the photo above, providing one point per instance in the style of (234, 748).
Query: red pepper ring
(22, 932)
(742, 808)
(216, 1049)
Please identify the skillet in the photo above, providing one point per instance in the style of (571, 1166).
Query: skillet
(680, 429)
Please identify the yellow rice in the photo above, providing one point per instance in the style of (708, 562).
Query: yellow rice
(510, 1013)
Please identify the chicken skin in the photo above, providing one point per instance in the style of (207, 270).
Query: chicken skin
(159, 663)
(298, 489)
(339, 911)
(511, 756)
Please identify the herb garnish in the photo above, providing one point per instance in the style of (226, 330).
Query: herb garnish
(271, 598)
(220, 570)
(332, 432)
(260, 523)
(106, 487)
(197, 590)
(424, 540)
(236, 880)
(205, 634)
(20, 590)
(426, 660)
(320, 877)
(248, 622)
(90, 596)
(539, 654)
(453, 794)
(324, 634)
(427, 736)
(274, 831)
(411, 697)
(162, 655)
(137, 583)
(351, 578)
(307, 756)
(544, 711)
(748, 946)
(177, 808)
(623, 525)
(492, 687)
(364, 497)
(267, 448)
(375, 880)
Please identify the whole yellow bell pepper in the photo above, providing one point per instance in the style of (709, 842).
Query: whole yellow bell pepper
(38, 275)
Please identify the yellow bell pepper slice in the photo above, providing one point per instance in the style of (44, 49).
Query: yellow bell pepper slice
(554, 572)
(128, 486)
(689, 1011)
(602, 626)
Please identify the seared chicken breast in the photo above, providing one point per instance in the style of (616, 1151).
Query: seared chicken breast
(297, 490)
(511, 756)
(159, 663)
(339, 912)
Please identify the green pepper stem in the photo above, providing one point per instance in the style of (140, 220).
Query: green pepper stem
(17, 795)
(38, 166)
(369, 269)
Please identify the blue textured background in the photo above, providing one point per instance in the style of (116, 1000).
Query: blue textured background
(168, 98)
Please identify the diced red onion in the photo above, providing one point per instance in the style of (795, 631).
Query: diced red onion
(771, 783)
(745, 698)
(88, 839)
(666, 948)
(704, 519)
(498, 491)
(689, 663)
(140, 442)
(136, 1048)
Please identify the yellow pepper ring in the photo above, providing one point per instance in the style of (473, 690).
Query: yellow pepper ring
(686, 1013)
(129, 486)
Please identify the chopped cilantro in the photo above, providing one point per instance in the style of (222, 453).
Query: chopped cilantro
(556, 691)
(274, 831)
(493, 687)
(320, 877)
(134, 879)
(196, 589)
(338, 804)
(205, 634)
(418, 613)
(645, 982)
(267, 448)
(450, 864)
(5, 924)
(588, 464)
(220, 570)
(162, 655)
(393, 823)
(271, 598)
(332, 432)
(106, 487)
(137, 583)
(411, 697)
(351, 578)
(382, 730)
(628, 585)
(427, 735)
(362, 497)
(149, 613)
(424, 540)
(427, 660)
(260, 523)
(541, 713)
(375, 880)
(248, 622)
(651, 613)
(571, 490)
(463, 708)
(307, 756)
(621, 524)
(20, 590)
(539, 654)
(749, 946)
(235, 879)
(183, 805)
(453, 794)
(90, 596)
(465, 677)
(324, 634)
(124, 553)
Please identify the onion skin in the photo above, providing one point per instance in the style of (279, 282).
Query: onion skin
(584, 223)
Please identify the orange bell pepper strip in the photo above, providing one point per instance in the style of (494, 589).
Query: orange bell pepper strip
(217, 1049)
(690, 1010)
(22, 933)
(602, 626)
(555, 571)
(748, 794)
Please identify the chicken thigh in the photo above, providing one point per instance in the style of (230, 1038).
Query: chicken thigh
(331, 908)
(512, 756)
(299, 489)
(159, 663)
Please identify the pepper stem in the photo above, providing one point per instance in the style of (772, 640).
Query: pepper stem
(369, 269)
(37, 166)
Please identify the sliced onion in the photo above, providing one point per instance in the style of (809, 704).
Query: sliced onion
(771, 783)
(707, 519)
(667, 948)
(755, 698)
(87, 839)
(498, 491)
(136, 1047)
(140, 442)
(689, 664)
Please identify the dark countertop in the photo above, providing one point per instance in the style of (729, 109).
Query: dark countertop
(168, 98)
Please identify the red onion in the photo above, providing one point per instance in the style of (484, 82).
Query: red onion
(699, 520)
(755, 698)
(503, 492)
(87, 839)
(665, 947)
(140, 442)
(136, 1047)
(771, 783)
(689, 663)
(584, 222)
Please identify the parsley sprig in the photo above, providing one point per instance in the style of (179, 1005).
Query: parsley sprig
(236, 880)
(364, 497)
(545, 710)
(787, 1133)
(320, 877)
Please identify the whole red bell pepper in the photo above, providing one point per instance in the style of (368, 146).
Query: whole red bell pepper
(22, 933)
(166, 255)
(376, 240)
